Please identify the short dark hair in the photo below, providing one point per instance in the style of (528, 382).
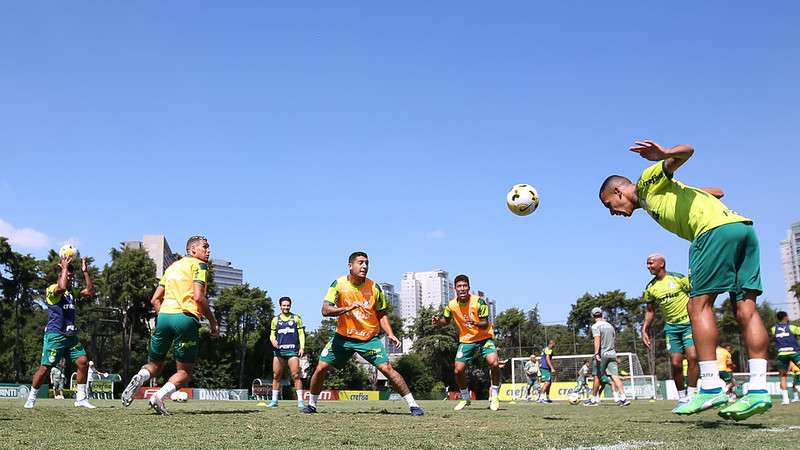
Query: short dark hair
(461, 277)
(355, 255)
(192, 240)
(782, 315)
(612, 181)
(285, 299)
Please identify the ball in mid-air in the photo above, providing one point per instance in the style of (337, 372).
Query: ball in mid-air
(522, 199)
(574, 398)
(67, 251)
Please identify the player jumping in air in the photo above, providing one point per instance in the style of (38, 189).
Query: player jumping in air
(723, 257)
(475, 333)
(360, 307)
(785, 335)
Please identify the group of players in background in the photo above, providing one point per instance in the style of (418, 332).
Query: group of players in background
(723, 257)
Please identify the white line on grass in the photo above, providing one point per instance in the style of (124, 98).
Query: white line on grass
(629, 445)
(780, 429)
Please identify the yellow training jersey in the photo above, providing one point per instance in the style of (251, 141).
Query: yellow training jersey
(671, 293)
(178, 281)
(723, 359)
(474, 309)
(681, 209)
(361, 323)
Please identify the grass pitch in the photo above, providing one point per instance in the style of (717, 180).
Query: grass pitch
(56, 424)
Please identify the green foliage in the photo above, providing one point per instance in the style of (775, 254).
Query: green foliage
(415, 371)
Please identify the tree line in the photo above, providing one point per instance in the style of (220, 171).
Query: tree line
(115, 328)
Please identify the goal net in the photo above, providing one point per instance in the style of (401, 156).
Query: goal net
(637, 384)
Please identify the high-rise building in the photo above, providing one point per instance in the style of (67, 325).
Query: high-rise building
(420, 290)
(158, 249)
(489, 302)
(225, 275)
(790, 257)
(394, 300)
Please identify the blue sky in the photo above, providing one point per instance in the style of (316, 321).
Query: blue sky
(293, 135)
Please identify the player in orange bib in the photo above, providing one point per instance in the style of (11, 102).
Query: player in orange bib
(471, 315)
(360, 309)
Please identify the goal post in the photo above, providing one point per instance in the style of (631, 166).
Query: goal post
(637, 384)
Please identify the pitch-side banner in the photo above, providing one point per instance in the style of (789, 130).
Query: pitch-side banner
(558, 391)
(146, 392)
(327, 394)
(359, 395)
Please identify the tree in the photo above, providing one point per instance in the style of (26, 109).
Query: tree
(508, 328)
(127, 286)
(244, 312)
(416, 373)
(616, 307)
(436, 346)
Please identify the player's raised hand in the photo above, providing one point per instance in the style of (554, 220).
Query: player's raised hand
(300, 353)
(84, 264)
(65, 260)
(649, 150)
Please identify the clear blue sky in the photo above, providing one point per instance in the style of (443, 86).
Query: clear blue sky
(293, 135)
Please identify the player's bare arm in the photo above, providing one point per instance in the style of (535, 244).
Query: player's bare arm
(440, 321)
(673, 157)
(87, 291)
(649, 315)
(158, 297)
(386, 326)
(199, 295)
(715, 191)
(329, 310)
(63, 277)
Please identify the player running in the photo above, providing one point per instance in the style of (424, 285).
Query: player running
(670, 291)
(605, 356)
(723, 257)
(795, 370)
(547, 370)
(582, 383)
(180, 301)
(360, 307)
(532, 372)
(475, 333)
(61, 334)
(725, 364)
(785, 335)
(288, 339)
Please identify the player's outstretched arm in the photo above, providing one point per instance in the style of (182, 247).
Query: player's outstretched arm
(331, 310)
(715, 191)
(63, 282)
(673, 157)
(440, 321)
(88, 291)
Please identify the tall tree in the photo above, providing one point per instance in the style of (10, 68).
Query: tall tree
(244, 312)
(127, 285)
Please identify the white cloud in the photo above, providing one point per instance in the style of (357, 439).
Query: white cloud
(27, 238)
(436, 234)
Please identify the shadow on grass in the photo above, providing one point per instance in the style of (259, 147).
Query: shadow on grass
(217, 412)
(705, 424)
(382, 412)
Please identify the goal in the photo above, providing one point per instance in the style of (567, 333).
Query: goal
(637, 384)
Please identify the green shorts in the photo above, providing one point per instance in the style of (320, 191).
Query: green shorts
(286, 354)
(725, 259)
(340, 349)
(608, 364)
(176, 330)
(545, 375)
(57, 346)
(726, 376)
(679, 336)
(784, 360)
(597, 373)
(467, 350)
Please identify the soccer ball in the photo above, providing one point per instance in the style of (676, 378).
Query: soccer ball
(179, 396)
(574, 398)
(522, 199)
(67, 251)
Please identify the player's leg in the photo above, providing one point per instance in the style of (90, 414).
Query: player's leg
(375, 353)
(676, 365)
(186, 330)
(757, 400)
(294, 369)
(494, 372)
(608, 365)
(595, 400)
(78, 355)
(796, 386)
(334, 354)
(160, 342)
(39, 376)
(784, 382)
(277, 374)
(464, 354)
(693, 370)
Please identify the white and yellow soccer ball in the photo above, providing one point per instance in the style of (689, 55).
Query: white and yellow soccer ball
(179, 396)
(574, 398)
(67, 251)
(522, 199)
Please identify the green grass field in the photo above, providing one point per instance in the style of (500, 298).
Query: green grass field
(56, 424)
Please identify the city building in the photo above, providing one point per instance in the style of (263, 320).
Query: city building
(157, 248)
(790, 257)
(489, 302)
(225, 275)
(421, 290)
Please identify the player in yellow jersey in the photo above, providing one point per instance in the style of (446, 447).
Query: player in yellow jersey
(180, 301)
(795, 370)
(475, 333)
(723, 257)
(360, 309)
(725, 366)
(670, 291)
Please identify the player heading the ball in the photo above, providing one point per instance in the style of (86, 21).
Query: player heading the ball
(723, 257)
(475, 333)
(360, 307)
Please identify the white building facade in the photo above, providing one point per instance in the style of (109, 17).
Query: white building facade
(790, 258)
